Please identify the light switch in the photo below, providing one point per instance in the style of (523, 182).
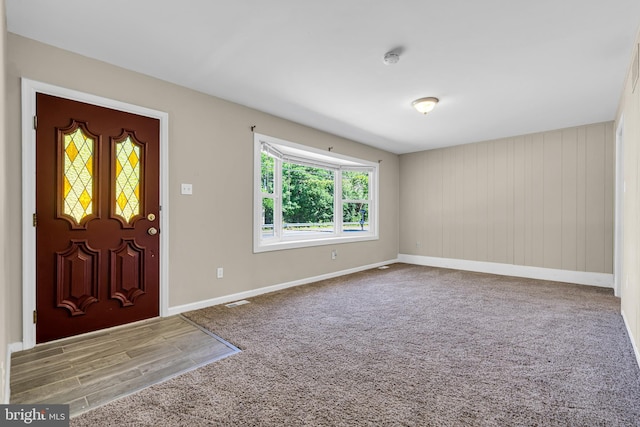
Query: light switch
(186, 189)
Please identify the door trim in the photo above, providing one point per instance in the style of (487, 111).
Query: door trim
(29, 90)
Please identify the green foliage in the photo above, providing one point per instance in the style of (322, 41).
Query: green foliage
(267, 210)
(307, 194)
(267, 169)
(355, 186)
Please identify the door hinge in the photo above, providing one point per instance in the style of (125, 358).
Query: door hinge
(35, 317)
(35, 219)
(35, 122)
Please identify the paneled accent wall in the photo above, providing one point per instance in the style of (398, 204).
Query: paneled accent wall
(542, 200)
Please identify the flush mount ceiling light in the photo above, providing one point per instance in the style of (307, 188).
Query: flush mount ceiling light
(391, 58)
(425, 105)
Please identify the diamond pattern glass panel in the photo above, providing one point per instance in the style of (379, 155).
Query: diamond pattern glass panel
(127, 179)
(78, 175)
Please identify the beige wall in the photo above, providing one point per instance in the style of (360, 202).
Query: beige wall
(211, 147)
(630, 283)
(543, 200)
(4, 315)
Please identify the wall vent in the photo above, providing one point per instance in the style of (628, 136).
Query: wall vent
(237, 303)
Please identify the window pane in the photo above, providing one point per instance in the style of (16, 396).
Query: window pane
(307, 203)
(266, 179)
(355, 185)
(127, 179)
(267, 218)
(78, 175)
(355, 217)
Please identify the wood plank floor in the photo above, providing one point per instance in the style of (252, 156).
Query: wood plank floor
(89, 371)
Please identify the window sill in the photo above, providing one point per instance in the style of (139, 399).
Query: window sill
(283, 245)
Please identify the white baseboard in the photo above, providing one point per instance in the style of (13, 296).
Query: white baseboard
(11, 348)
(255, 292)
(568, 276)
(15, 347)
(631, 338)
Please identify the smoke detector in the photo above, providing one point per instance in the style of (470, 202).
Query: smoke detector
(390, 58)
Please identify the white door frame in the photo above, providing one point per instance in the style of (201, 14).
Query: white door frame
(619, 210)
(29, 90)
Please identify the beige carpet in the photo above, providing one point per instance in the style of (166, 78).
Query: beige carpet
(406, 346)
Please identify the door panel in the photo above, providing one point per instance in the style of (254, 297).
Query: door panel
(97, 198)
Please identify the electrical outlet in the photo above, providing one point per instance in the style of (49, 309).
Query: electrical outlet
(186, 189)
(220, 272)
(334, 254)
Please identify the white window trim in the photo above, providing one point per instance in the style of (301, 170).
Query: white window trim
(338, 162)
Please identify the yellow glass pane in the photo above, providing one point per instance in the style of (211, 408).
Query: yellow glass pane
(122, 201)
(133, 159)
(71, 150)
(67, 187)
(85, 199)
(127, 179)
(78, 175)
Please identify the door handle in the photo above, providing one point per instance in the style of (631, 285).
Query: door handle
(152, 231)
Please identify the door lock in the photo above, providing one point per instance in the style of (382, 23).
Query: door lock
(152, 231)
(151, 217)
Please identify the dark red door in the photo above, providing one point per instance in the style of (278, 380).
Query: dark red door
(97, 217)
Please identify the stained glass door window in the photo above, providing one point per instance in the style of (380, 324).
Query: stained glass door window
(128, 173)
(78, 153)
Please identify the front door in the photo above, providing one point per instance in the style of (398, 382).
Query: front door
(97, 216)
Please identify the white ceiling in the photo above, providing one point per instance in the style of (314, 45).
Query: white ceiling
(500, 67)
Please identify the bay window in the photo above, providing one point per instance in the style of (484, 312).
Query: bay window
(306, 197)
